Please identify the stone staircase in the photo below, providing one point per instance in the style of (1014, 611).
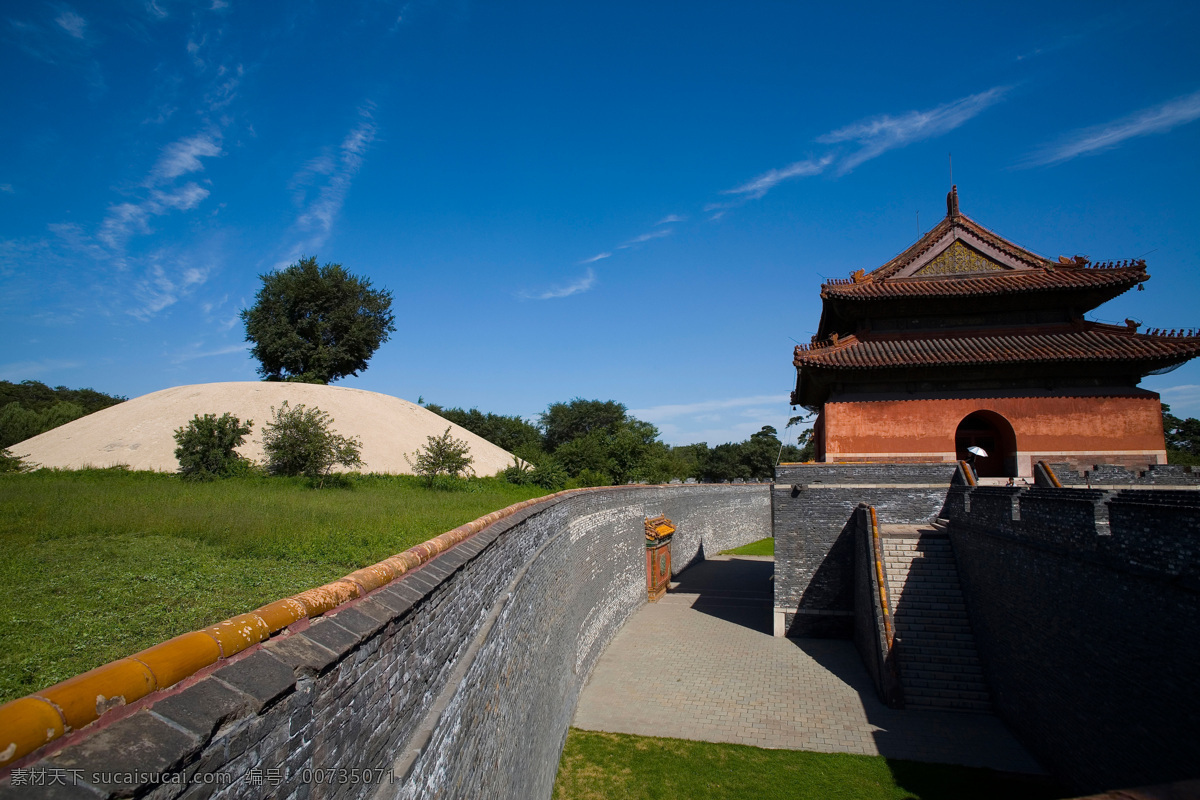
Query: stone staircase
(939, 666)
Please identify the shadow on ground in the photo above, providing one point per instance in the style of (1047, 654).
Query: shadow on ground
(906, 737)
(737, 589)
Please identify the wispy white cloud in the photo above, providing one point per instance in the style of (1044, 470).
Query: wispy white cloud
(714, 421)
(1184, 400)
(878, 135)
(671, 411)
(20, 370)
(72, 23)
(124, 220)
(224, 89)
(646, 237)
(163, 286)
(183, 156)
(7, 188)
(195, 352)
(669, 218)
(581, 285)
(318, 213)
(757, 187)
(1098, 138)
(874, 137)
(193, 51)
(185, 198)
(595, 258)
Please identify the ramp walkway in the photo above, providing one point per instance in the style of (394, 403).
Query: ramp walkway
(702, 664)
(939, 663)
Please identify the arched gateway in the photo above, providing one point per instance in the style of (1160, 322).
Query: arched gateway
(993, 434)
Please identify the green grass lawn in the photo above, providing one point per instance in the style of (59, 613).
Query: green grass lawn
(615, 766)
(763, 547)
(99, 564)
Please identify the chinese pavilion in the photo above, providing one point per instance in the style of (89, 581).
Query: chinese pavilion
(968, 339)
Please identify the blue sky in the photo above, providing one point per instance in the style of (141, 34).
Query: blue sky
(620, 201)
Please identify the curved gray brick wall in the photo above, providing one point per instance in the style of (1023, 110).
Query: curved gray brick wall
(458, 679)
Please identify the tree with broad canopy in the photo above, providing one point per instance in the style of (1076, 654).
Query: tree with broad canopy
(316, 324)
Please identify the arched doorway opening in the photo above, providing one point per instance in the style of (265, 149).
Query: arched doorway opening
(991, 432)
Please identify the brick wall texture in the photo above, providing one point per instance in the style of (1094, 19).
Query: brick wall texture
(456, 680)
(1085, 609)
(813, 507)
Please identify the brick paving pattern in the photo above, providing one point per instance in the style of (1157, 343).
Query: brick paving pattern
(702, 664)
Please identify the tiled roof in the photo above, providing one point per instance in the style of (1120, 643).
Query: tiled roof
(1094, 343)
(958, 220)
(1016, 281)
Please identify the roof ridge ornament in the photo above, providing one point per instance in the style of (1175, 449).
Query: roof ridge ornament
(952, 203)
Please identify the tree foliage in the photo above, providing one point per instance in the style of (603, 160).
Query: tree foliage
(300, 441)
(37, 396)
(565, 422)
(441, 455)
(1182, 437)
(753, 459)
(10, 462)
(207, 446)
(30, 407)
(511, 433)
(316, 324)
(597, 443)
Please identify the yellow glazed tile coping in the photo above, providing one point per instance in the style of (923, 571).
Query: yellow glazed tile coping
(237, 633)
(176, 659)
(281, 613)
(26, 725)
(35, 720)
(85, 697)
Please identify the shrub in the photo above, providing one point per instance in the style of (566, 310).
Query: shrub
(590, 477)
(548, 474)
(520, 473)
(207, 446)
(441, 454)
(11, 463)
(299, 441)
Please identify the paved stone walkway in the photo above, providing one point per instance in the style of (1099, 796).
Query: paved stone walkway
(702, 664)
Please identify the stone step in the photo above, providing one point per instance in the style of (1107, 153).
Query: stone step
(938, 639)
(905, 617)
(918, 570)
(942, 672)
(937, 660)
(908, 629)
(948, 683)
(921, 703)
(946, 689)
(928, 593)
(937, 606)
(939, 665)
(928, 653)
(930, 614)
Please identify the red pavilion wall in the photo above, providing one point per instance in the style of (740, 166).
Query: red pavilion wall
(1084, 430)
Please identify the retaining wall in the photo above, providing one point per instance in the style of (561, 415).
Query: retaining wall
(812, 507)
(1086, 612)
(457, 679)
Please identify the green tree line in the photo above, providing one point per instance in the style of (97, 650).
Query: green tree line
(31, 407)
(598, 443)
